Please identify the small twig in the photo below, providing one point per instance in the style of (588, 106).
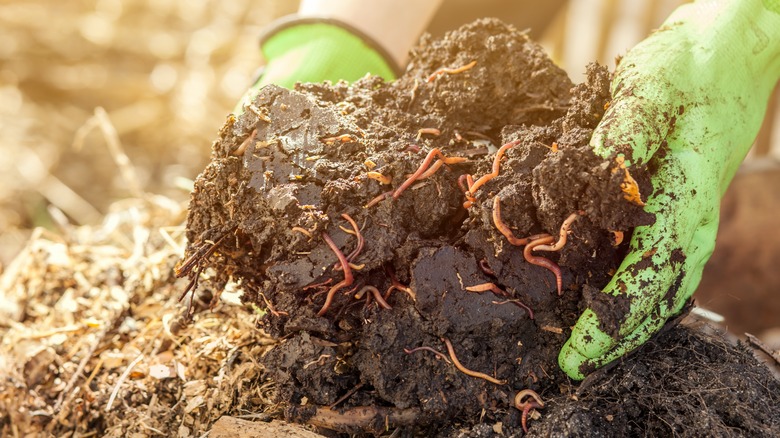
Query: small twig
(83, 364)
(366, 418)
(761, 346)
(102, 121)
(204, 251)
(121, 380)
(552, 329)
(347, 395)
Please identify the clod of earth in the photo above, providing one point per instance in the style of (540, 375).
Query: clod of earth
(267, 213)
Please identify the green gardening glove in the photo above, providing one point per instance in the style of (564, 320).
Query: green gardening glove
(686, 104)
(315, 50)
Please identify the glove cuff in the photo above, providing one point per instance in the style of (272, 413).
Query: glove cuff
(288, 32)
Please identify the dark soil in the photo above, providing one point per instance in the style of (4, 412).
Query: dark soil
(268, 200)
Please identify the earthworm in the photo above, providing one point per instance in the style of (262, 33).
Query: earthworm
(302, 231)
(479, 288)
(465, 370)
(496, 167)
(375, 292)
(526, 406)
(470, 199)
(347, 274)
(618, 238)
(271, 309)
(423, 166)
(242, 148)
(383, 179)
(562, 235)
(360, 243)
(439, 354)
(504, 229)
(378, 199)
(435, 152)
(445, 160)
(412, 148)
(431, 131)
(396, 285)
(519, 303)
(451, 71)
(541, 261)
(431, 170)
(463, 183)
(344, 138)
(483, 264)
(317, 285)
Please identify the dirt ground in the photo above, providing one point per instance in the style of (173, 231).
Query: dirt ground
(96, 342)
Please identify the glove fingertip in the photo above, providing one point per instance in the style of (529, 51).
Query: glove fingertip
(570, 360)
(586, 343)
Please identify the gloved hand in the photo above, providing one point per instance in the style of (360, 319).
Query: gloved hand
(315, 50)
(686, 103)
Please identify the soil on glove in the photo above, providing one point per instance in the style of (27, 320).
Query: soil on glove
(330, 162)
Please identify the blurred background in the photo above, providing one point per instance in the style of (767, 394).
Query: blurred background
(168, 72)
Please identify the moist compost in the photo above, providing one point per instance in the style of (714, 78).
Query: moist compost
(304, 174)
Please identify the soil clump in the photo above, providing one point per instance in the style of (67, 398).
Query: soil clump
(308, 204)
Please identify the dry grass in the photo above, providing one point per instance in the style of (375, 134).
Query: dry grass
(94, 340)
(92, 335)
(167, 73)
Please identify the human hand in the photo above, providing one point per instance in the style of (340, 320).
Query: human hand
(687, 103)
(316, 50)
(331, 40)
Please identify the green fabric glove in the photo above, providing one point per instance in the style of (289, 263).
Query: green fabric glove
(686, 104)
(316, 50)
